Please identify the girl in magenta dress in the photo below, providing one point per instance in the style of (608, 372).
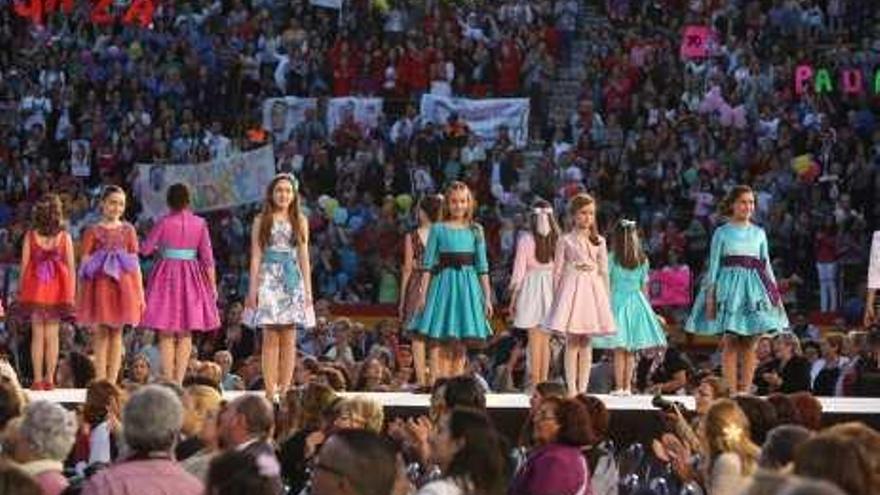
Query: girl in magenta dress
(182, 292)
(581, 303)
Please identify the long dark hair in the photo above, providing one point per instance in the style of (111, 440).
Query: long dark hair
(293, 213)
(626, 245)
(545, 245)
(481, 460)
(48, 216)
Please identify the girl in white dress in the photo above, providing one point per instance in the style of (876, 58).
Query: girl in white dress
(280, 291)
(531, 285)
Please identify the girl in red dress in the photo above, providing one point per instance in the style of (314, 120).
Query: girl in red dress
(48, 285)
(111, 291)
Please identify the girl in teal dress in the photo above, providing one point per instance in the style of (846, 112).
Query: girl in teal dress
(738, 297)
(638, 327)
(455, 297)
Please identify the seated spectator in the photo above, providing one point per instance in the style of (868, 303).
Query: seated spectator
(470, 455)
(839, 460)
(102, 414)
(11, 405)
(42, 441)
(782, 442)
(786, 411)
(791, 372)
(246, 425)
(151, 422)
(234, 473)
(761, 416)
(229, 380)
(201, 404)
(600, 454)
(359, 413)
(809, 410)
(139, 373)
(825, 382)
(357, 462)
(297, 449)
(373, 377)
(14, 480)
(555, 465)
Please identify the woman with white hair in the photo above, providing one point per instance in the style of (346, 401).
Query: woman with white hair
(44, 437)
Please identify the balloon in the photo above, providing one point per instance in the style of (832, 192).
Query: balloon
(726, 115)
(712, 101)
(404, 202)
(739, 117)
(801, 163)
(340, 215)
(691, 488)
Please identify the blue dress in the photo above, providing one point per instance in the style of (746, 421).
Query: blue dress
(746, 298)
(637, 324)
(454, 307)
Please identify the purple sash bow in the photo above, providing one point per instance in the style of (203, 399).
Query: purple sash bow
(46, 261)
(759, 266)
(109, 262)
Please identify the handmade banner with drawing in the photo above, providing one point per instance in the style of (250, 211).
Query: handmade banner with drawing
(223, 183)
(483, 117)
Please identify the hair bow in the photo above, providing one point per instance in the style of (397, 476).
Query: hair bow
(627, 224)
(542, 223)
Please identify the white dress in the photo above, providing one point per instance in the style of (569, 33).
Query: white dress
(535, 282)
(281, 295)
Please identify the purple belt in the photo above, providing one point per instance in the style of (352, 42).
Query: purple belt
(111, 262)
(46, 262)
(759, 266)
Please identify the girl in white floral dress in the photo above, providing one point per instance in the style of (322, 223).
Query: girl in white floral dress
(281, 287)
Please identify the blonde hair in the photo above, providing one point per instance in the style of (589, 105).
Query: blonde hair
(204, 401)
(726, 430)
(472, 202)
(363, 409)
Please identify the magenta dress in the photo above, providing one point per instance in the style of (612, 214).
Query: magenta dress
(581, 302)
(179, 294)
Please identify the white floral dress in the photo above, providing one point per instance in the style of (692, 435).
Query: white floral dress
(281, 297)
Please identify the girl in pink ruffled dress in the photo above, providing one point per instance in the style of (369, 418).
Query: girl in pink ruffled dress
(581, 306)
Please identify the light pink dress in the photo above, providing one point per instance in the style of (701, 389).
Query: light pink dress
(534, 280)
(179, 294)
(581, 302)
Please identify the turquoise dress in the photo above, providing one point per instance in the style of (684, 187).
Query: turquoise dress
(637, 325)
(746, 298)
(454, 308)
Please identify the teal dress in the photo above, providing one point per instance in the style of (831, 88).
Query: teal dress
(454, 307)
(637, 325)
(746, 298)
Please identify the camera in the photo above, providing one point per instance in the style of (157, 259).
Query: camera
(667, 405)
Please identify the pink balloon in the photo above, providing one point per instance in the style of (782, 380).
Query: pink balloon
(726, 115)
(712, 101)
(739, 117)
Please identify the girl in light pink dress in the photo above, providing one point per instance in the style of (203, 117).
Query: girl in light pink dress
(581, 304)
(181, 294)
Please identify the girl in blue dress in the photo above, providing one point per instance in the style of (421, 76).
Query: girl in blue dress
(455, 295)
(738, 297)
(638, 327)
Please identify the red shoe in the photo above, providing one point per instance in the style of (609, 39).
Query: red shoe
(48, 386)
(38, 386)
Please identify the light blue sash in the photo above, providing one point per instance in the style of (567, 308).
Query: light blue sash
(288, 265)
(180, 254)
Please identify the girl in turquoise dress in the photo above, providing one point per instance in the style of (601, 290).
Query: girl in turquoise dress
(455, 297)
(738, 296)
(638, 327)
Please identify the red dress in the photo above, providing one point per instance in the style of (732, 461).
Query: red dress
(110, 287)
(47, 287)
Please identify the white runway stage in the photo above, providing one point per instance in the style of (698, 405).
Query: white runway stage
(830, 405)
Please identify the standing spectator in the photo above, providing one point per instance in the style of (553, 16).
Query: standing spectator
(42, 442)
(151, 424)
(826, 266)
(731, 455)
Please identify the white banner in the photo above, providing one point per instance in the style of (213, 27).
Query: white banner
(81, 157)
(366, 112)
(282, 115)
(330, 4)
(223, 183)
(483, 117)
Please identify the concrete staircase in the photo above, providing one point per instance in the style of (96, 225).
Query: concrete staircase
(568, 81)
